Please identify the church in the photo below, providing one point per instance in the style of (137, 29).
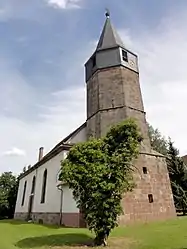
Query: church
(113, 94)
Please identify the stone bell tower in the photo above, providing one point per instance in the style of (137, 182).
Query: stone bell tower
(113, 89)
(114, 94)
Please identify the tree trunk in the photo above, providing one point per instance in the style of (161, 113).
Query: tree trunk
(101, 240)
(183, 209)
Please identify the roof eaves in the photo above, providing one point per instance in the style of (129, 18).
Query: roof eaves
(74, 133)
(46, 158)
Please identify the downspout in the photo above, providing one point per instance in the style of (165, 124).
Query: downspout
(61, 202)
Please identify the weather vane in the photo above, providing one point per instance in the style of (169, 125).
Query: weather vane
(107, 13)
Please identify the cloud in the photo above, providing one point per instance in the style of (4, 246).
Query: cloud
(163, 75)
(60, 118)
(32, 116)
(65, 4)
(42, 89)
(14, 152)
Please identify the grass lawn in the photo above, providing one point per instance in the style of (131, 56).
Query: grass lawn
(167, 235)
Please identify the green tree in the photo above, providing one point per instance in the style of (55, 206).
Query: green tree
(158, 142)
(99, 172)
(178, 177)
(176, 167)
(8, 194)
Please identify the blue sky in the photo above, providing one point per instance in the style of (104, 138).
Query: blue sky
(43, 47)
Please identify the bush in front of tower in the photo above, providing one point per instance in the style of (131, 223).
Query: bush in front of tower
(99, 172)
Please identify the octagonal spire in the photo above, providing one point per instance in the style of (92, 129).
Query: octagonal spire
(109, 37)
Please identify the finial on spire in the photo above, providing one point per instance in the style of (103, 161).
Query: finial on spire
(107, 13)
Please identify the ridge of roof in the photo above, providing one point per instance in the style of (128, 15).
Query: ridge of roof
(72, 134)
(54, 151)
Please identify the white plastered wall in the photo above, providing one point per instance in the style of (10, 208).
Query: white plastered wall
(79, 137)
(19, 208)
(52, 198)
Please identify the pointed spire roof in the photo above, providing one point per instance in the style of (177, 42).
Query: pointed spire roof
(109, 36)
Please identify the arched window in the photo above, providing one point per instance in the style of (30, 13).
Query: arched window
(33, 185)
(24, 191)
(44, 186)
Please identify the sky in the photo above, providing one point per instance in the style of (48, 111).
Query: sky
(43, 47)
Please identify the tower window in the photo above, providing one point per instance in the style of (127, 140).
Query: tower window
(150, 197)
(24, 191)
(124, 55)
(145, 170)
(94, 61)
(33, 185)
(44, 186)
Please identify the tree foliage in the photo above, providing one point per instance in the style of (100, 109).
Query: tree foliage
(99, 172)
(178, 177)
(8, 194)
(158, 142)
(176, 167)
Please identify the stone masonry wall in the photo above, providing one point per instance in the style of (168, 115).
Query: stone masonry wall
(155, 182)
(68, 219)
(20, 216)
(114, 94)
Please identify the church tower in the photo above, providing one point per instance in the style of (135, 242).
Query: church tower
(113, 89)
(114, 94)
